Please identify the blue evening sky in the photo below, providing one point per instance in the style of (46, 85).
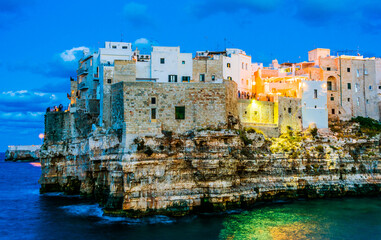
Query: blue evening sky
(41, 40)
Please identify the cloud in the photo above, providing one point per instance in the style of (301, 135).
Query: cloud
(72, 54)
(144, 45)
(136, 14)
(364, 15)
(24, 101)
(211, 7)
(63, 65)
(13, 11)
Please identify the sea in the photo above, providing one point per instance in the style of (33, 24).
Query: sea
(26, 214)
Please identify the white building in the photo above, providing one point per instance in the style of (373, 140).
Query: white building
(236, 66)
(169, 65)
(314, 104)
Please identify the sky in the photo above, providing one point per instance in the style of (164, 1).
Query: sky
(42, 40)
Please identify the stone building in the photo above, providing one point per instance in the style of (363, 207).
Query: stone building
(150, 108)
(352, 85)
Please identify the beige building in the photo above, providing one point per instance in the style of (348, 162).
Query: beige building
(352, 83)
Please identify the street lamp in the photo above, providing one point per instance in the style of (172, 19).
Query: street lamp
(41, 136)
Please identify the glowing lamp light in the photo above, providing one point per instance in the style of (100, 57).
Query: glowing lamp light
(41, 136)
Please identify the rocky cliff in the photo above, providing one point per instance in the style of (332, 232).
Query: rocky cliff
(208, 170)
(23, 153)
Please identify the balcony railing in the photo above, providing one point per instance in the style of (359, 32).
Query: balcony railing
(82, 85)
(82, 71)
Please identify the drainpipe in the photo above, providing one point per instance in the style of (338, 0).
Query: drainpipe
(341, 88)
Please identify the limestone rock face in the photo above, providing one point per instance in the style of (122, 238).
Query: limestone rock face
(203, 171)
(21, 153)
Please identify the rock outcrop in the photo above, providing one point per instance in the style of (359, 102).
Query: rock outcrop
(207, 170)
(23, 153)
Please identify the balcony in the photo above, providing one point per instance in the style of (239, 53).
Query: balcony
(82, 71)
(82, 86)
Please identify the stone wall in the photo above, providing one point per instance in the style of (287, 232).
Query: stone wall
(206, 105)
(209, 67)
(289, 114)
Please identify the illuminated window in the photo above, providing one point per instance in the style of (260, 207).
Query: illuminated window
(180, 113)
(228, 65)
(213, 77)
(230, 78)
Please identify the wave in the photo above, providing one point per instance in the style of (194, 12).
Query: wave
(94, 210)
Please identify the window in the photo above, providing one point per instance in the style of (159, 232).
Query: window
(183, 62)
(153, 100)
(247, 82)
(329, 86)
(358, 101)
(357, 87)
(289, 110)
(124, 47)
(332, 98)
(328, 69)
(315, 93)
(109, 80)
(379, 87)
(367, 101)
(153, 113)
(230, 78)
(348, 69)
(365, 71)
(180, 113)
(213, 78)
(172, 78)
(162, 60)
(243, 65)
(114, 46)
(358, 73)
(349, 85)
(228, 65)
(349, 99)
(202, 77)
(333, 111)
(185, 79)
(370, 87)
(246, 66)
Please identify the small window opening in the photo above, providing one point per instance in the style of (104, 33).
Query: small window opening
(180, 113)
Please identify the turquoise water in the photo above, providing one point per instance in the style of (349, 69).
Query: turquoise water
(25, 214)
